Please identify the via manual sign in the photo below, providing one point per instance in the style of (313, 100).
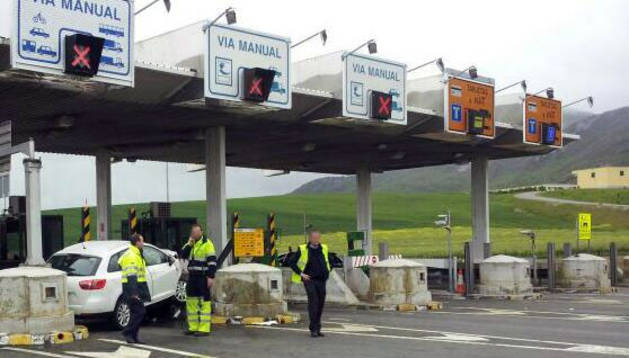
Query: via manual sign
(41, 26)
(374, 89)
(232, 52)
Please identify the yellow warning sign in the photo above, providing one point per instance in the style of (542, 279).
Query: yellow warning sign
(248, 242)
(585, 226)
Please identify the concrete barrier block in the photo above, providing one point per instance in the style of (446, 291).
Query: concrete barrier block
(21, 340)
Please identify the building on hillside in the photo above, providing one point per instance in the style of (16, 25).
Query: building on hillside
(602, 178)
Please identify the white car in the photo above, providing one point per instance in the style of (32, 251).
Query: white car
(95, 281)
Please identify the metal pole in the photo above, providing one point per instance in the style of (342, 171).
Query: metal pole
(613, 264)
(469, 270)
(567, 249)
(167, 185)
(450, 265)
(551, 265)
(383, 251)
(146, 7)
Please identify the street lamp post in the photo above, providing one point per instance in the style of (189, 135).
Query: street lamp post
(371, 46)
(445, 221)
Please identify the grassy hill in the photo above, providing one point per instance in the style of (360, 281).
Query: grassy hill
(612, 196)
(604, 141)
(405, 220)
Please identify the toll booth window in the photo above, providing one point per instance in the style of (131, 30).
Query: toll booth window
(75, 265)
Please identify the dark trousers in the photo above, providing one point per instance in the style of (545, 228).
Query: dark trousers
(315, 289)
(137, 315)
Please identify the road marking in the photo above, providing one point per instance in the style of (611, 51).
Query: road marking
(577, 348)
(122, 352)
(352, 327)
(541, 315)
(41, 353)
(160, 349)
(459, 337)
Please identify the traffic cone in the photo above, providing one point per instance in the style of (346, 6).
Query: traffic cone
(460, 286)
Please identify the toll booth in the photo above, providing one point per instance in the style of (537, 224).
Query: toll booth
(163, 232)
(13, 235)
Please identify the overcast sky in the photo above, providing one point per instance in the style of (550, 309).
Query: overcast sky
(578, 47)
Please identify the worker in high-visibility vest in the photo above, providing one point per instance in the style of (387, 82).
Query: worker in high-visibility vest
(199, 251)
(311, 265)
(135, 290)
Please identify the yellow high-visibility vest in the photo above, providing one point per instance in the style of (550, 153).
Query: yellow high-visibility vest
(132, 264)
(303, 260)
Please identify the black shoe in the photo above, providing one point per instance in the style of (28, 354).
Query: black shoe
(314, 334)
(320, 334)
(189, 333)
(201, 334)
(129, 339)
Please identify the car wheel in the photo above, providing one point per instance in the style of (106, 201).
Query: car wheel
(122, 314)
(180, 292)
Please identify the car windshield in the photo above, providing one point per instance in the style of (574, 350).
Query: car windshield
(74, 264)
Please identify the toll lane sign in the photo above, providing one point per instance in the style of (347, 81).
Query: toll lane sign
(232, 52)
(543, 121)
(41, 27)
(248, 242)
(469, 108)
(585, 226)
(374, 89)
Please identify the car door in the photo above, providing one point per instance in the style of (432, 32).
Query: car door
(114, 269)
(163, 274)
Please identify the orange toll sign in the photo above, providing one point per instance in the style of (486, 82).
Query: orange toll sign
(470, 108)
(543, 121)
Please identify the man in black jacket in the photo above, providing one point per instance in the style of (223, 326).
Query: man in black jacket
(311, 265)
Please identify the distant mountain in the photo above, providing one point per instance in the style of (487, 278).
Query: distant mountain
(604, 141)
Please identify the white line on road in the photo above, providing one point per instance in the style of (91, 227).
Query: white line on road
(569, 347)
(155, 348)
(565, 316)
(35, 352)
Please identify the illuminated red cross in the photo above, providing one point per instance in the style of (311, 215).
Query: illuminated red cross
(255, 87)
(384, 105)
(81, 56)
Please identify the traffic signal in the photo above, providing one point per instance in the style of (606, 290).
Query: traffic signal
(82, 54)
(256, 84)
(476, 121)
(381, 105)
(549, 132)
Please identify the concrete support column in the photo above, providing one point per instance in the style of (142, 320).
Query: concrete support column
(480, 207)
(34, 252)
(363, 206)
(103, 196)
(216, 214)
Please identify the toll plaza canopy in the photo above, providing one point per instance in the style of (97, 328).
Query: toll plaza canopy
(164, 116)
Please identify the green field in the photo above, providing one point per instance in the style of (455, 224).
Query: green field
(612, 196)
(404, 220)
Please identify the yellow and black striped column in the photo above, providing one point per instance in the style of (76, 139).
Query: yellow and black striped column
(235, 225)
(133, 222)
(272, 238)
(85, 224)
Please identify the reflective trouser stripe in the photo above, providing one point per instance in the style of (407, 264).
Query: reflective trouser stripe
(205, 318)
(192, 310)
(199, 314)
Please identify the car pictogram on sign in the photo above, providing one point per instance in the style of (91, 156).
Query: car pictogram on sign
(38, 31)
(47, 51)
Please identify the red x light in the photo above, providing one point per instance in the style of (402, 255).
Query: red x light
(381, 105)
(256, 84)
(82, 54)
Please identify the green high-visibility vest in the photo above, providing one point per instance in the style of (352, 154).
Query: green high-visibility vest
(303, 260)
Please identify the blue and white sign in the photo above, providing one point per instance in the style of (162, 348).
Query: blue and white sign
(362, 74)
(456, 114)
(230, 49)
(40, 28)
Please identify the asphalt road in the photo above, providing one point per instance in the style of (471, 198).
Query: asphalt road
(560, 325)
(534, 195)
